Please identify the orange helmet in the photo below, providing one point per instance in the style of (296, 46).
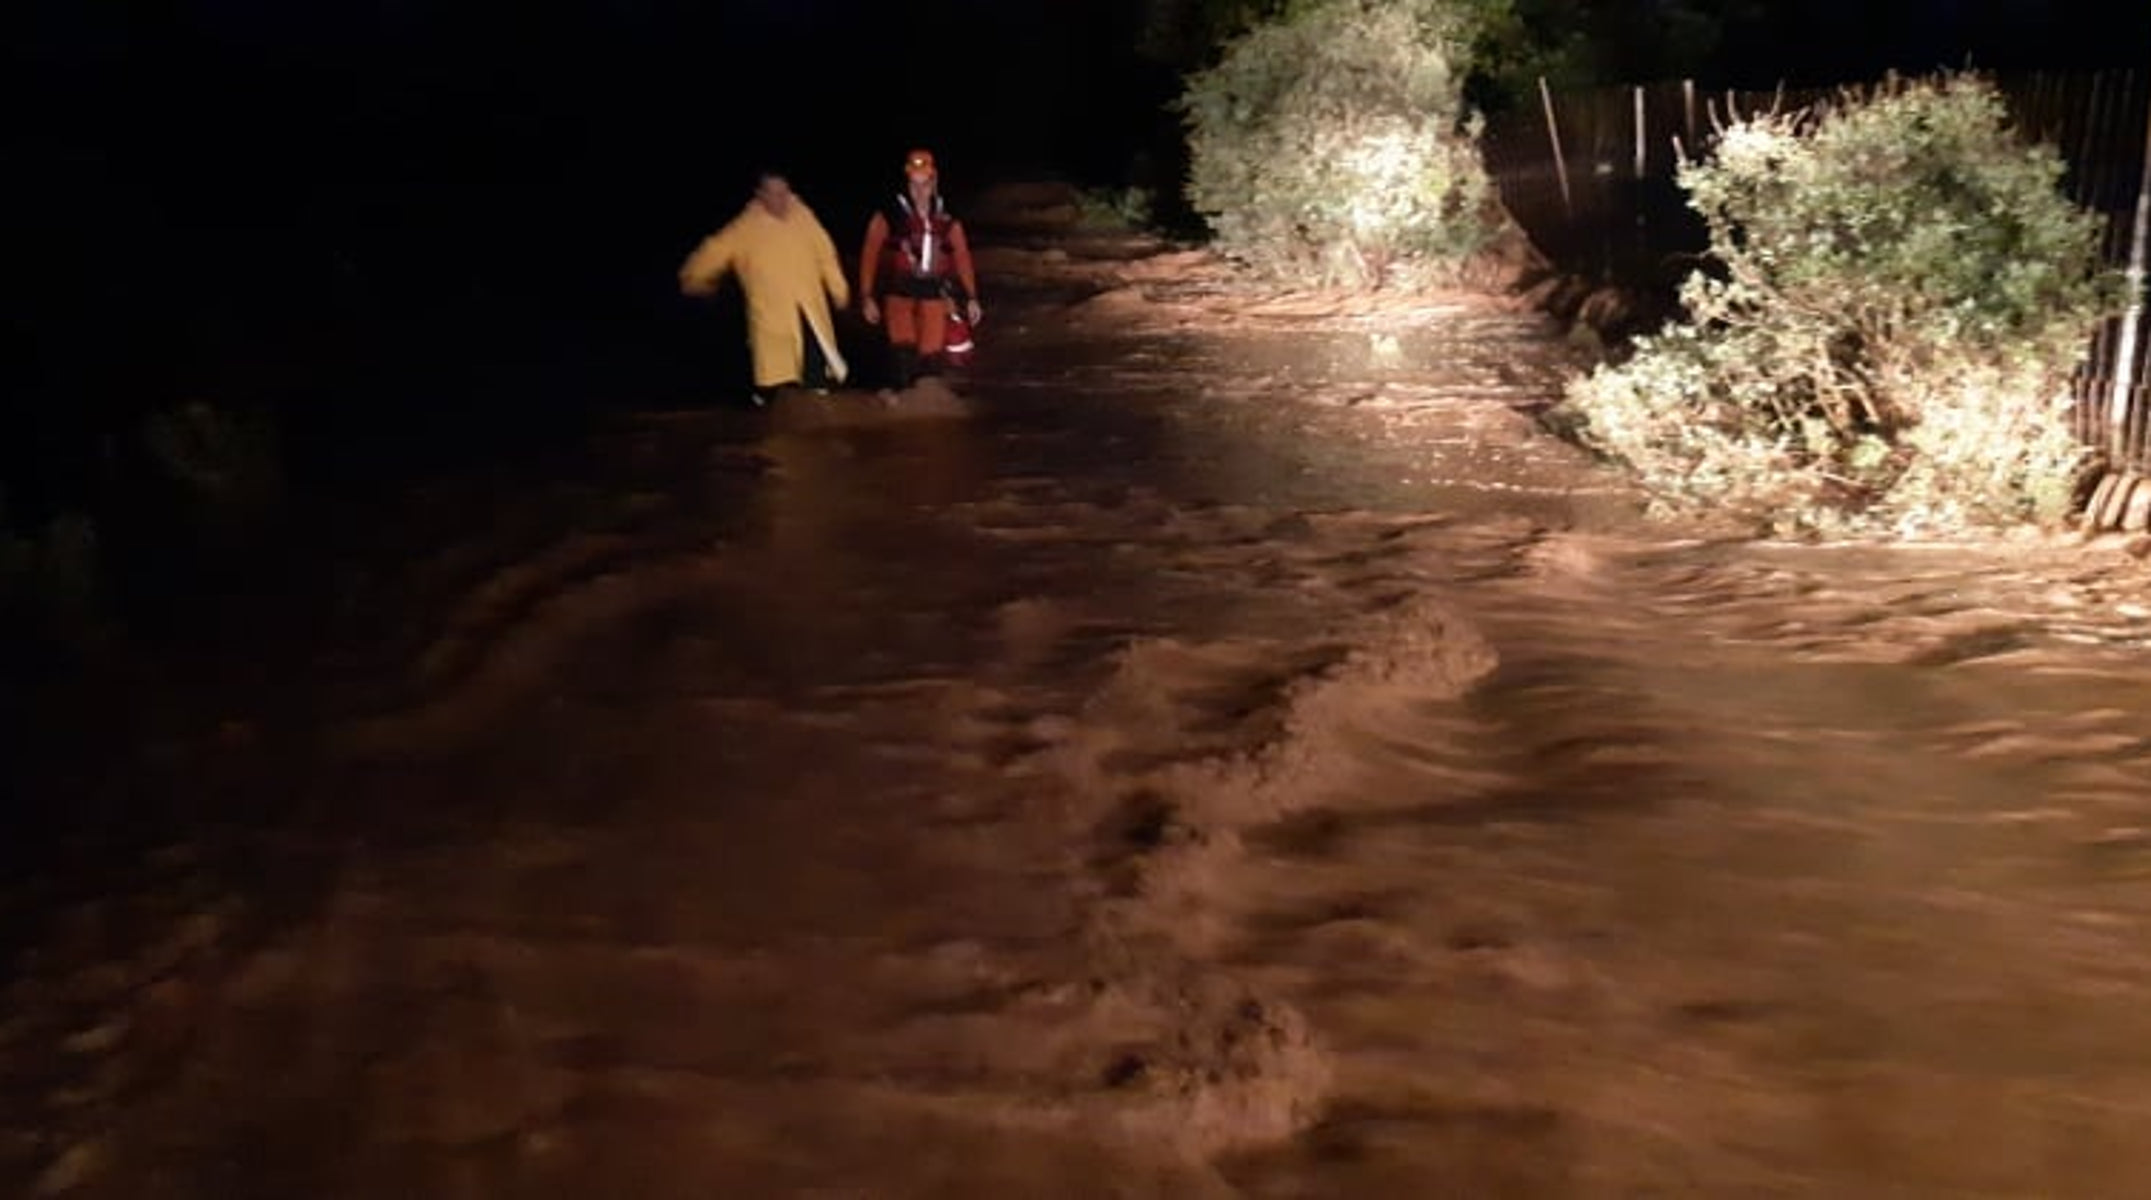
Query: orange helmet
(919, 164)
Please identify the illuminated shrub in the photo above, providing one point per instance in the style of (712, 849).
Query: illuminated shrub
(1897, 297)
(1333, 144)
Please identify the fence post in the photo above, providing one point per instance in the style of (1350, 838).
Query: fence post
(1641, 133)
(2117, 412)
(1638, 195)
(1553, 132)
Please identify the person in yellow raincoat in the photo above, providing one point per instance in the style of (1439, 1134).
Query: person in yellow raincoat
(788, 270)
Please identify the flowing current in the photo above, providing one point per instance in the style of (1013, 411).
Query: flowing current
(1245, 756)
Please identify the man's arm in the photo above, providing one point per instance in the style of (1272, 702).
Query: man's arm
(877, 236)
(709, 262)
(966, 273)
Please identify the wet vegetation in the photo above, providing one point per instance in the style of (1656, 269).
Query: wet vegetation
(1334, 145)
(1897, 297)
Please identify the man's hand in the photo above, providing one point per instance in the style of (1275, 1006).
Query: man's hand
(870, 310)
(972, 312)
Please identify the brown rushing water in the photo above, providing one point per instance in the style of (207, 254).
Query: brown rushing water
(1243, 758)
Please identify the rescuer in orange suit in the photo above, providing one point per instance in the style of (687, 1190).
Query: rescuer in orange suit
(915, 274)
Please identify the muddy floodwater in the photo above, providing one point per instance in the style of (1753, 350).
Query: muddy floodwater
(1241, 755)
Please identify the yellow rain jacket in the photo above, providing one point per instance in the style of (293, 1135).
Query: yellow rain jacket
(788, 269)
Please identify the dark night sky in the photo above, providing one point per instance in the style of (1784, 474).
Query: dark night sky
(249, 107)
(1841, 40)
(184, 120)
(501, 89)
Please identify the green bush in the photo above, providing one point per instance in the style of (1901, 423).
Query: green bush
(1333, 144)
(1897, 298)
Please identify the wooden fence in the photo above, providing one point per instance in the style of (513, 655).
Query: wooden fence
(1590, 175)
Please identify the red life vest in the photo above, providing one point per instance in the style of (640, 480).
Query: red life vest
(957, 345)
(916, 260)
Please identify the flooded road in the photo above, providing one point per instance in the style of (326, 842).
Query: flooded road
(1244, 758)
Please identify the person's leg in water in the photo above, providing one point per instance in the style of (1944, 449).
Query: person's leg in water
(814, 371)
(763, 393)
(933, 323)
(900, 317)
